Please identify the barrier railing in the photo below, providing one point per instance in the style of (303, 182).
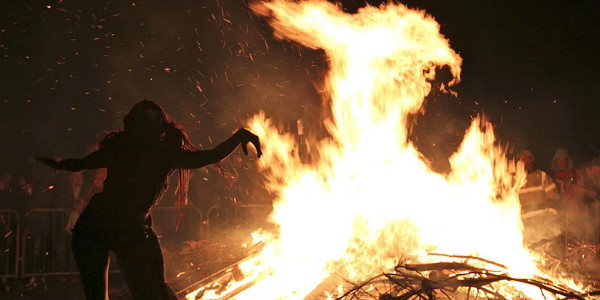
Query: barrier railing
(218, 216)
(46, 243)
(44, 247)
(244, 214)
(213, 218)
(46, 240)
(38, 244)
(164, 221)
(9, 243)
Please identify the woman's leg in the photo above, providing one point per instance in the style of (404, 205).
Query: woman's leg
(143, 268)
(92, 259)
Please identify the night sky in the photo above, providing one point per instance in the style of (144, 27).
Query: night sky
(72, 69)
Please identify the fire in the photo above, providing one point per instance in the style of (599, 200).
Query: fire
(371, 198)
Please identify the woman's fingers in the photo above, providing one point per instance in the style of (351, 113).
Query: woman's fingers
(249, 137)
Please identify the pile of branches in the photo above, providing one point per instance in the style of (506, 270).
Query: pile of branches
(454, 280)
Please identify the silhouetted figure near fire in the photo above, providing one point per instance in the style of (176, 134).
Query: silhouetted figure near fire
(539, 190)
(539, 200)
(569, 181)
(138, 160)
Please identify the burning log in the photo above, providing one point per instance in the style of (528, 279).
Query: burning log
(451, 280)
(223, 284)
(220, 283)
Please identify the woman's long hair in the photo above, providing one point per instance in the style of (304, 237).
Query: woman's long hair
(176, 137)
(149, 120)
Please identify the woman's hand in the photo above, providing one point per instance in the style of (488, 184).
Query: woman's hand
(246, 137)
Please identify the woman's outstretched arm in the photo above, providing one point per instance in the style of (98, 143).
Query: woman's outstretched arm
(201, 158)
(94, 160)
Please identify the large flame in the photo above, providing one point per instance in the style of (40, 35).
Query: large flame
(370, 198)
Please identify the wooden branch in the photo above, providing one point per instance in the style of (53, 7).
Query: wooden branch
(441, 266)
(415, 284)
(470, 257)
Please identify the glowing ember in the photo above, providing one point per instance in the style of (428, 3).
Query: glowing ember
(371, 198)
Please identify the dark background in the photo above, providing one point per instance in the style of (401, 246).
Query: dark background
(72, 69)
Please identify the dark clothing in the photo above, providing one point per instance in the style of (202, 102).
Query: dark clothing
(118, 218)
(136, 179)
(8, 199)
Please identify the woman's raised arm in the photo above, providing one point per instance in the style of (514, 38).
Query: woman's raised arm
(201, 158)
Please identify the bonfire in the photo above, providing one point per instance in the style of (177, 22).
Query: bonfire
(363, 218)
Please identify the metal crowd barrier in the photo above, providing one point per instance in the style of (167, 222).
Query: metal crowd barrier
(43, 246)
(46, 243)
(9, 243)
(245, 214)
(213, 219)
(39, 245)
(164, 222)
(235, 215)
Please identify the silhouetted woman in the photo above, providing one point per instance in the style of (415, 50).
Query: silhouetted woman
(138, 160)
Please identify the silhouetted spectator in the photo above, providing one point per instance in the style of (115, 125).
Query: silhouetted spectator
(591, 180)
(570, 185)
(44, 182)
(70, 192)
(591, 185)
(568, 179)
(24, 192)
(539, 199)
(7, 193)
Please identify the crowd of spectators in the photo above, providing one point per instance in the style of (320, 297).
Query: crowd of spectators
(21, 191)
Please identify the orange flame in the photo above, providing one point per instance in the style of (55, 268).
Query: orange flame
(371, 198)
